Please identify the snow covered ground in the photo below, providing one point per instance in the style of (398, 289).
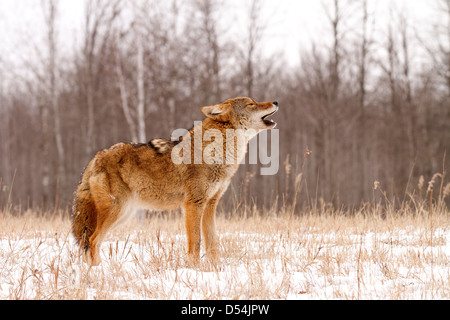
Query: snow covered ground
(296, 262)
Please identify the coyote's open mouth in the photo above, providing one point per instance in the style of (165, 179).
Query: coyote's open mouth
(269, 122)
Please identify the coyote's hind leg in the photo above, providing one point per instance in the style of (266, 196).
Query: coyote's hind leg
(108, 211)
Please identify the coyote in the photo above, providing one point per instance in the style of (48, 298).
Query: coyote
(131, 176)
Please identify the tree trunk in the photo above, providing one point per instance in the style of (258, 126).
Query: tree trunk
(53, 95)
(141, 90)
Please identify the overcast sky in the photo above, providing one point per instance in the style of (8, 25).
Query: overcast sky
(293, 23)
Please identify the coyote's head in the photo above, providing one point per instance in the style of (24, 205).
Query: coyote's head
(243, 113)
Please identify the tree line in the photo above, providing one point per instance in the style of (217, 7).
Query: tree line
(362, 105)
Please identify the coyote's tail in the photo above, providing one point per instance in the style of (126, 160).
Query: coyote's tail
(84, 217)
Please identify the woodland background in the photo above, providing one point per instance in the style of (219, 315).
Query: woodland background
(367, 102)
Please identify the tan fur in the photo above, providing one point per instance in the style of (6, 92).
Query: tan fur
(129, 176)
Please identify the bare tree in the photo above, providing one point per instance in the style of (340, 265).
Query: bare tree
(399, 112)
(361, 133)
(208, 30)
(135, 116)
(255, 31)
(140, 88)
(335, 20)
(440, 55)
(5, 168)
(124, 95)
(439, 52)
(99, 17)
(50, 9)
(331, 106)
(438, 47)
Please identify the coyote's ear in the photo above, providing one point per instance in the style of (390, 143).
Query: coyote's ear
(218, 112)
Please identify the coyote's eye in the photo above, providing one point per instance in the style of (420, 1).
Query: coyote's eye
(251, 104)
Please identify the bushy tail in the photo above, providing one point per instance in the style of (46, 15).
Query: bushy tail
(84, 217)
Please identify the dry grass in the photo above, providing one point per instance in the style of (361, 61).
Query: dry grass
(371, 254)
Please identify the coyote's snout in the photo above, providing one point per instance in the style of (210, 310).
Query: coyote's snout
(130, 176)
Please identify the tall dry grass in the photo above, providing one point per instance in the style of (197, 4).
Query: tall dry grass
(372, 253)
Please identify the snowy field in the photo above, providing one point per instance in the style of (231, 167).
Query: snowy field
(271, 258)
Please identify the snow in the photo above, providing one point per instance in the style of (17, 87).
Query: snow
(399, 264)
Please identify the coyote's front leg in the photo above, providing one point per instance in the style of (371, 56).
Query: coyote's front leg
(193, 218)
(209, 229)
